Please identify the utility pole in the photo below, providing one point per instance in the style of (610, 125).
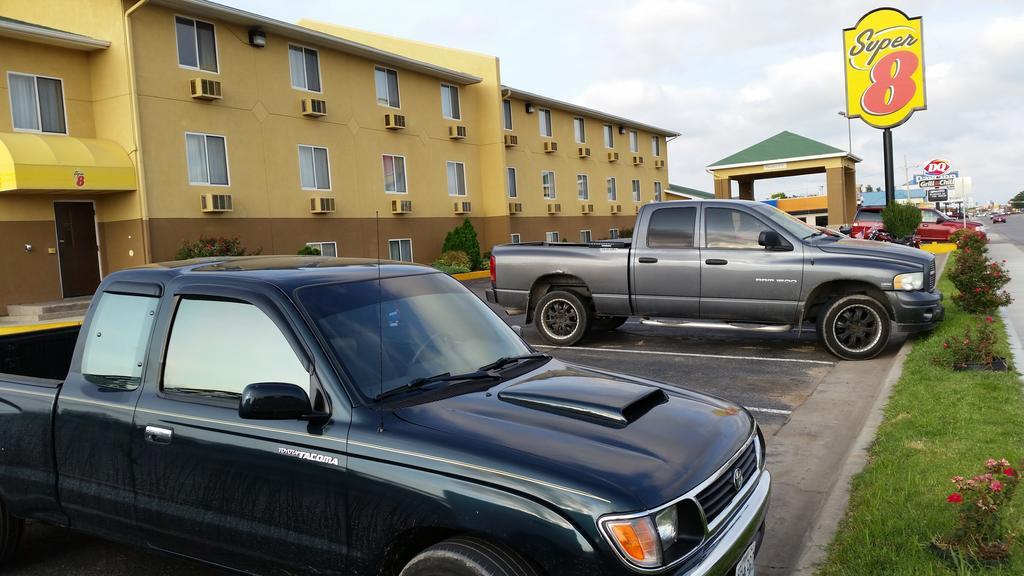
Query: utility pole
(890, 178)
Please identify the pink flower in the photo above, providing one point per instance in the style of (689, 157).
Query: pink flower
(996, 485)
(988, 319)
(1004, 462)
(945, 345)
(954, 498)
(990, 462)
(957, 479)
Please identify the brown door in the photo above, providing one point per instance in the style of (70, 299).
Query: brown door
(77, 248)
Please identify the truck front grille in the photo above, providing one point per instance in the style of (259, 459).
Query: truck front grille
(931, 276)
(718, 495)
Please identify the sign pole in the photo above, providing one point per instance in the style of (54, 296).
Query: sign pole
(890, 178)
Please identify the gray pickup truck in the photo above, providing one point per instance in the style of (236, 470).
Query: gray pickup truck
(723, 264)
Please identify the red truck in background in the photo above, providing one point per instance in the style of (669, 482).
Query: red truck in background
(935, 226)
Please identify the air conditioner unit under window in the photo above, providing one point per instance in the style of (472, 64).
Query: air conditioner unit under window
(515, 207)
(216, 203)
(321, 205)
(583, 152)
(616, 208)
(659, 163)
(638, 160)
(511, 140)
(586, 208)
(550, 147)
(205, 89)
(613, 156)
(394, 121)
(401, 206)
(554, 208)
(314, 107)
(456, 132)
(463, 207)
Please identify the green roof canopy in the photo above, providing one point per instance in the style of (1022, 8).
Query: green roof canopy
(691, 192)
(783, 146)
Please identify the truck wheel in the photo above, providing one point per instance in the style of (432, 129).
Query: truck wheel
(562, 317)
(854, 327)
(468, 556)
(10, 534)
(608, 323)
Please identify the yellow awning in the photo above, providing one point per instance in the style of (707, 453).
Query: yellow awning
(62, 163)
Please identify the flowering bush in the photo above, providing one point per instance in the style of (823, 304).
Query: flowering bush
(452, 262)
(973, 347)
(977, 279)
(978, 535)
(210, 246)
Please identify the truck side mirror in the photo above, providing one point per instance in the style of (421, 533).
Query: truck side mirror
(845, 230)
(274, 401)
(771, 240)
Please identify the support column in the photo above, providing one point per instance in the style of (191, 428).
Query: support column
(723, 188)
(850, 195)
(746, 189)
(835, 190)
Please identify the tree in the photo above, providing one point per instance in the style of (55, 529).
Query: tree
(901, 220)
(463, 238)
(869, 188)
(1018, 200)
(778, 196)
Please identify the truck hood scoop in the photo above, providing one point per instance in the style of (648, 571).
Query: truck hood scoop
(602, 401)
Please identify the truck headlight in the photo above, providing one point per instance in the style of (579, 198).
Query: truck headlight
(667, 523)
(637, 539)
(909, 281)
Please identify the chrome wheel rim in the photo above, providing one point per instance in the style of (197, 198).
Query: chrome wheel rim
(857, 328)
(560, 318)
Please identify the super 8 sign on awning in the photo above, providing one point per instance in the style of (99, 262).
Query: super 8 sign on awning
(884, 61)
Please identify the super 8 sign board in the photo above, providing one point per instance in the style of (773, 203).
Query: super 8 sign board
(884, 61)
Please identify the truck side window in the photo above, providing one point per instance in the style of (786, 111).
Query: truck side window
(729, 228)
(115, 346)
(217, 348)
(929, 216)
(672, 228)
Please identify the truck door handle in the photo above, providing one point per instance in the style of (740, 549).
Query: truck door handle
(647, 260)
(157, 435)
(716, 262)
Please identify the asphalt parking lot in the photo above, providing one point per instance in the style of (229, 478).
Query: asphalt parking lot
(773, 375)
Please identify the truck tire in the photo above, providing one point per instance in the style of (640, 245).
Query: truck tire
(468, 556)
(562, 318)
(854, 327)
(608, 323)
(10, 534)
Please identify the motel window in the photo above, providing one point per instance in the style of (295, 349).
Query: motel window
(394, 174)
(386, 81)
(450, 102)
(656, 146)
(585, 236)
(456, 179)
(636, 190)
(37, 103)
(511, 185)
(545, 121)
(506, 111)
(547, 180)
(305, 65)
(613, 233)
(197, 44)
(314, 168)
(579, 129)
(582, 187)
(517, 238)
(613, 193)
(207, 159)
(609, 136)
(400, 249)
(325, 248)
(657, 191)
(634, 144)
(551, 236)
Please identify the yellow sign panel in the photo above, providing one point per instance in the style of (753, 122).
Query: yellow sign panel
(884, 56)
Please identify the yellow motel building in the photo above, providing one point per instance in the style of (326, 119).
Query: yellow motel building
(129, 128)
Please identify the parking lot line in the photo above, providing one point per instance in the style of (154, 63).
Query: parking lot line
(690, 354)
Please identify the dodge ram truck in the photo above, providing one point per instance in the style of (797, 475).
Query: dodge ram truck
(340, 416)
(726, 264)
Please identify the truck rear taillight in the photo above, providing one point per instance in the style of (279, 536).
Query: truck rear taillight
(493, 272)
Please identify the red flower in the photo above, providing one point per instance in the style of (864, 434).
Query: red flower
(988, 319)
(1010, 472)
(996, 485)
(945, 345)
(954, 498)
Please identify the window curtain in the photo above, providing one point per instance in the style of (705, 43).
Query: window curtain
(298, 67)
(380, 78)
(207, 46)
(218, 155)
(453, 179)
(323, 172)
(400, 184)
(307, 172)
(24, 105)
(197, 169)
(51, 105)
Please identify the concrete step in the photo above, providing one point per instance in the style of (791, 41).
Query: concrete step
(67, 308)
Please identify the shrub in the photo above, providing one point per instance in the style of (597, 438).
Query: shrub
(978, 535)
(901, 220)
(456, 258)
(973, 347)
(451, 269)
(626, 233)
(977, 279)
(463, 238)
(309, 251)
(210, 246)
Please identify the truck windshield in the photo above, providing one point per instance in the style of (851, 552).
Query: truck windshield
(428, 324)
(792, 224)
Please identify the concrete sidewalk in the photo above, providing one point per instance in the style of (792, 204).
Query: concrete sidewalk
(1001, 248)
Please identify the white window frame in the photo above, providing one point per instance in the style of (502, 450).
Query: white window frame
(400, 240)
(613, 233)
(313, 151)
(612, 187)
(582, 187)
(586, 237)
(509, 125)
(465, 184)
(550, 124)
(516, 238)
(319, 68)
(636, 189)
(216, 44)
(383, 173)
(659, 191)
(634, 142)
(512, 177)
(552, 237)
(544, 187)
(398, 84)
(656, 146)
(579, 129)
(609, 136)
(457, 110)
(39, 108)
(320, 246)
(227, 160)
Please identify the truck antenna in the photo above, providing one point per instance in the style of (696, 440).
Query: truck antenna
(380, 330)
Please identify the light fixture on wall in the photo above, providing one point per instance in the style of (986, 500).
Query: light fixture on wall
(622, 129)
(257, 38)
(529, 108)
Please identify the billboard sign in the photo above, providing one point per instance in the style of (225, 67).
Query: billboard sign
(937, 167)
(884, 61)
(942, 182)
(938, 195)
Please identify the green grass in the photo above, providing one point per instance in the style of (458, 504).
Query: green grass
(938, 423)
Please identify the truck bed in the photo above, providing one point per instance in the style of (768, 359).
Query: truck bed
(41, 354)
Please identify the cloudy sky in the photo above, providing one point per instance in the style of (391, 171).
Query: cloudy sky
(730, 73)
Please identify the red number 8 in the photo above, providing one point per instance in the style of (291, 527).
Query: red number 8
(80, 180)
(896, 88)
